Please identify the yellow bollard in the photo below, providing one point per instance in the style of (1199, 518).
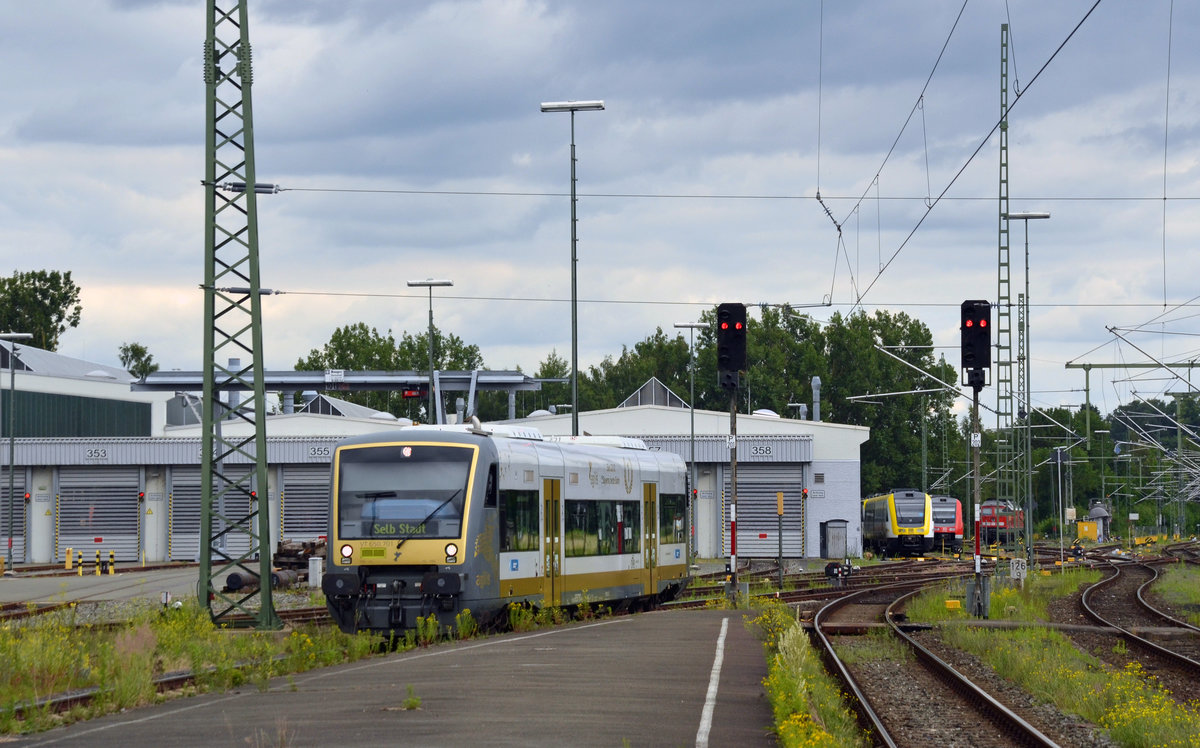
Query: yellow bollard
(70, 554)
(1, 567)
(79, 566)
(97, 562)
(112, 563)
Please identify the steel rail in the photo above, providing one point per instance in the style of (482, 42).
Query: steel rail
(1006, 719)
(1170, 655)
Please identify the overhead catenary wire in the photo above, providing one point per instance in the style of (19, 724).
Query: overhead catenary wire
(979, 148)
(912, 111)
(650, 302)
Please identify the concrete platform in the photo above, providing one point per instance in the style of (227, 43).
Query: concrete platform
(679, 678)
(127, 583)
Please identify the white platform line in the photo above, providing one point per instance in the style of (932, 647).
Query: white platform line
(710, 701)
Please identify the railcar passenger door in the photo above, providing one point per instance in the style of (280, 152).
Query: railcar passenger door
(650, 536)
(552, 545)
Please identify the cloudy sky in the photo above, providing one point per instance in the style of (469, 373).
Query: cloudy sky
(408, 141)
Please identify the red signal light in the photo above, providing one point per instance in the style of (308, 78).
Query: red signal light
(969, 323)
(983, 323)
(724, 325)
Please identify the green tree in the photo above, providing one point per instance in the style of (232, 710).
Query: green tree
(44, 303)
(553, 366)
(891, 458)
(659, 356)
(137, 360)
(357, 347)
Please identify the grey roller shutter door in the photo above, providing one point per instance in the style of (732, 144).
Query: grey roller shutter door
(304, 502)
(184, 508)
(98, 509)
(757, 510)
(16, 504)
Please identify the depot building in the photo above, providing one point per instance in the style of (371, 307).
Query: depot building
(101, 465)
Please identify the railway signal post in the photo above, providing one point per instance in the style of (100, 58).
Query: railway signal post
(731, 361)
(976, 360)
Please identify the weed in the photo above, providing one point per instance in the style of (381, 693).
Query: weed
(428, 629)
(465, 625)
(412, 701)
(520, 617)
(552, 616)
(805, 700)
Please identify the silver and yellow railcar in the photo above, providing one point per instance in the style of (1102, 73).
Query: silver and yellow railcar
(899, 522)
(433, 521)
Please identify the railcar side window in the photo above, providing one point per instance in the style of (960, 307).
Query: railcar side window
(672, 518)
(518, 520)
(602, 528)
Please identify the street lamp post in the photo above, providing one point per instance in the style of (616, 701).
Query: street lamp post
(1027, 395)
(572, 107)
(1060, 521)
(691, 327)
(12, 387)
(1103, 481)
(430, 283)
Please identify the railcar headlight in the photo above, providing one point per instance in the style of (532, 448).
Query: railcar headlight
(347, 551)
(451, 549)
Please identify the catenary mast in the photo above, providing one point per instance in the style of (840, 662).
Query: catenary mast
(234, 522)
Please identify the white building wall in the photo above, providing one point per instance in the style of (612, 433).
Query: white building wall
(836, 498)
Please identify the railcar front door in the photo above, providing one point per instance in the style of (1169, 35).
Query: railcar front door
(552, 540)
(650, 536)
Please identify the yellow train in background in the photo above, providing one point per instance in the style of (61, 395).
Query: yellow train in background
(898, 523)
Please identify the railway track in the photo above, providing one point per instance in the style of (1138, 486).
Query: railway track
(1120, 602)
(921, 698)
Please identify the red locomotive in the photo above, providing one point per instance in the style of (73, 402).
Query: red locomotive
(1000, 521)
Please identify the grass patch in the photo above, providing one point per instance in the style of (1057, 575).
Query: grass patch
(1007, 602)
(1179, 585)
(49, 655)
(879, 645)
(805, 701)
(1135, 710)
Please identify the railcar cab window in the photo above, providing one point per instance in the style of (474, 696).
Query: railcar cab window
(944, 514)
(910, 510)
(402, 491)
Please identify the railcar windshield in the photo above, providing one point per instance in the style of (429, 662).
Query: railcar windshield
(910, 510)
(402, 491)
(944, 514)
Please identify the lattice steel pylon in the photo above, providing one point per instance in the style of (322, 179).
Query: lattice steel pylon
(234, 522)
(1005, 468)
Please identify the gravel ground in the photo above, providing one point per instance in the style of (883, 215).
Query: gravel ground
(111, 611)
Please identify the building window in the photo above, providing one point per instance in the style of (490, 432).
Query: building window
(818, 477)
